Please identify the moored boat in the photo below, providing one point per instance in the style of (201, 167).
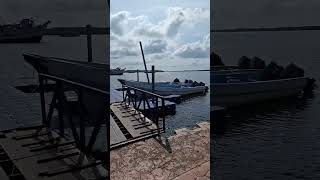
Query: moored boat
(26, 31)
(117, 71)
(239, 93)
(253, 81)
(167, 88)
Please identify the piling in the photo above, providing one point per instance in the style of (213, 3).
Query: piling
(152, 71)
(137, 75)
(89, 42)
(144, 62)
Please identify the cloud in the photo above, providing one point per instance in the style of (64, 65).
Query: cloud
(155, 46)
(117, 53)
(181, 33)
(168, 27)
(118, 21)
(174, 21)
(200, 49)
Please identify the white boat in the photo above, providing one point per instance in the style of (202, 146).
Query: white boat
(24, 32)
(235, 88)
(166, 88)
(117, 71)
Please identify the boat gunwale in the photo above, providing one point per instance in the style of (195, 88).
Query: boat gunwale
(260, 81)
(70, 61)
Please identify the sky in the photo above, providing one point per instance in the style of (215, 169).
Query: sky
(264, 13)
(175, 34)
(276, 46)
(60, 12)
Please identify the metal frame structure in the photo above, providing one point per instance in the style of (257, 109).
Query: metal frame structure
(58, 101)
(138, 97)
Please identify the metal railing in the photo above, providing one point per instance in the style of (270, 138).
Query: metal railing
(139, 97)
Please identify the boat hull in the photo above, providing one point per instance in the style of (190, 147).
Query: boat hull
(88, 73)
(116, 72)
(17, 34)
(163, 89)
(236, 94)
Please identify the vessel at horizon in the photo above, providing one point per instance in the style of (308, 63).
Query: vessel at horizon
(26, 31)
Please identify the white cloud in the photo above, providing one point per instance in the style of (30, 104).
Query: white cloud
(117, 22)
(180, 34)
(155, 46)
(200, 49)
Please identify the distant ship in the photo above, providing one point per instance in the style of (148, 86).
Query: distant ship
(23, 32)
(117, 71)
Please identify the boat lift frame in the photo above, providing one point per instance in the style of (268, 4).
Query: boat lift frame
(137, 97)
(58, 99)
(58, 102)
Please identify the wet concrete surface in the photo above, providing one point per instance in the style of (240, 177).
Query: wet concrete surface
(186, 157)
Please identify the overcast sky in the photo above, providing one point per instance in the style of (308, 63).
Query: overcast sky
(174, 33)
(60, 12)
(276, 46)
(264, 13)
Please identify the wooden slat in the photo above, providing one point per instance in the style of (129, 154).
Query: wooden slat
(27, 162)
(15, 149)
(116, 136)
(128, 123)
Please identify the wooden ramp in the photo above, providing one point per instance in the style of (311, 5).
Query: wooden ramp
(128, 125)
(41, 154)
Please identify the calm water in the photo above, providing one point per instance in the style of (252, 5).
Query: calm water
(18, 108)
(189, 112)
(274, 140)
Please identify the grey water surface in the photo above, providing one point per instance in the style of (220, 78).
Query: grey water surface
(189, 112)
(272, 140)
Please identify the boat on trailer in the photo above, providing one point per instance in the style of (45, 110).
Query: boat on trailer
(88, 73)
(167, 88)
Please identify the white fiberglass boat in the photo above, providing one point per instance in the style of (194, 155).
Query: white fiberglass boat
(167, 88)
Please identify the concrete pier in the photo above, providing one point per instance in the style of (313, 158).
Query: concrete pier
(185, 155)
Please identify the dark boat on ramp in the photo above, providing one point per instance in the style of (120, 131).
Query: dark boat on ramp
(26, 31)
(88, 73)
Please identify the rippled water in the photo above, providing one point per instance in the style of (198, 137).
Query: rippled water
(277, 139)
(189, 112)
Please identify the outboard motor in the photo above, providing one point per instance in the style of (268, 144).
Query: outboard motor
(244, 62)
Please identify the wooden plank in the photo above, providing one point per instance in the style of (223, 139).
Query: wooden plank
(30, 168)
(27, 162)
(116, 136)
(129, 122)
(14, 147)
(3, 175)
